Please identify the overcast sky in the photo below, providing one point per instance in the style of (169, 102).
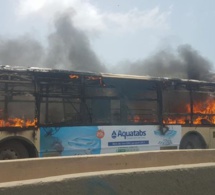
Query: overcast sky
(118, 30)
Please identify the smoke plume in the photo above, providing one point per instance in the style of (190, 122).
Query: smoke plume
(68, 48)
(184, 63)
(22, 51)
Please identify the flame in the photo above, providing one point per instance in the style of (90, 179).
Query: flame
(203, 113)
(95, 78)
(138, 119)
(174, 121)
(73, 76)
(18, 122)
(205, 107)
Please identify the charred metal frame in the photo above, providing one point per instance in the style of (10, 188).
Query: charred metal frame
(61, 85)
(14, 78)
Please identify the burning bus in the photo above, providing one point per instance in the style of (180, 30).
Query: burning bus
(46, 112)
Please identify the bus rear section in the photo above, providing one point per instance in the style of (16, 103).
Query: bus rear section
(19, 134)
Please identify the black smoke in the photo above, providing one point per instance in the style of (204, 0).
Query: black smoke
(21, 51)
(68, 48)
(185, 62)
(196, 66)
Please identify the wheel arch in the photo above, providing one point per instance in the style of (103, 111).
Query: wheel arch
(193, 133)
(32, 151)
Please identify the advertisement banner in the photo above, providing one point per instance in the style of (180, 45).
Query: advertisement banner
(64, 141)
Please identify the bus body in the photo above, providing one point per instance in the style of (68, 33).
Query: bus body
(46, 112)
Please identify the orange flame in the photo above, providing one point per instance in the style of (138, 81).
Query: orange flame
(17, 122)
(73, 76)
(95, 78)
(206, 107)
(174, 121)
(203, 113)
(138, 119)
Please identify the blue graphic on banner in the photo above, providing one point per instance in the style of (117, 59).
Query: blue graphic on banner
(84, 142)
(166, 137)
(65, 141)
(169, 134)
(128, 143)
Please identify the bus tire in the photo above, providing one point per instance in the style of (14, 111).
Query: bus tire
(192, 142)
(13, 150)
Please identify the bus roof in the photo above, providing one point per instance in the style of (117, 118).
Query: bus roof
(125, 76)
(103, 75)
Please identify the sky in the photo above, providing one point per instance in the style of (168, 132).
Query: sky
(115, 31)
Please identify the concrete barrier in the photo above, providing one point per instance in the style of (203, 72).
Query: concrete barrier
(25, 169)
(181, 179)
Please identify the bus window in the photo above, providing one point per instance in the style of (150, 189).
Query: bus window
(2, 114)
(100, 111)
(176, 106)
(115, 112)
(17, 105)
(140, 111)
(72, 110)
(139, 103)
(22, 107)
(203, 106)
(51, 111)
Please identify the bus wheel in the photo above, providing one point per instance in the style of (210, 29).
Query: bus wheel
(13, 150)
(192, 142)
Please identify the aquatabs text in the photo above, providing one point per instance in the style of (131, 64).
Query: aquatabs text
(125, 134)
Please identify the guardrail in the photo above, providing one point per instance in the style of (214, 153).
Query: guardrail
(25, 169)
(170, 180)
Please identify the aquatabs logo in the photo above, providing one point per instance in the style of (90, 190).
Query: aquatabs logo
(125, 134)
